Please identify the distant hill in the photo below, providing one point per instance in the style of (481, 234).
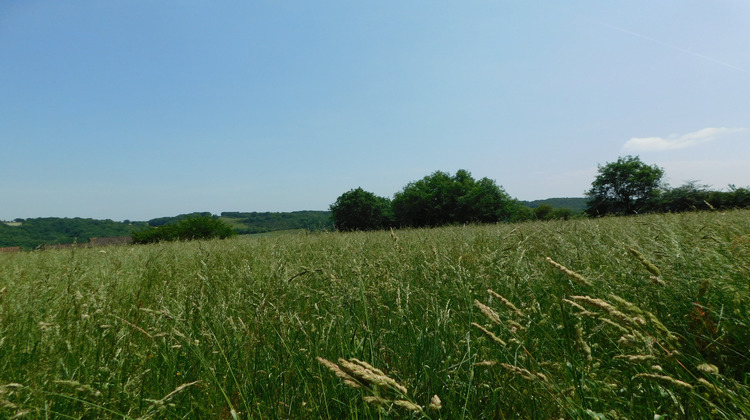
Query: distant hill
(577, 204)
(256, 222)
(31, 233)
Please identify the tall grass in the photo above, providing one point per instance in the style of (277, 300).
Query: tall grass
(237, 328)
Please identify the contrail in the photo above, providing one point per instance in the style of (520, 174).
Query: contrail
(674, 47)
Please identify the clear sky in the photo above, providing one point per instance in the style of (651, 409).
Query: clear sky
(139, 109)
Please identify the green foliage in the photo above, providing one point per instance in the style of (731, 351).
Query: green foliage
(575, 204)
(234, 328)
(261, 222)
(31, 233)
(693, 196)
(186, 229)
(627, 186)
(358, 209)
(547, 212)
(690, 196)
(735, 198)
(161, 221)
(439, 199)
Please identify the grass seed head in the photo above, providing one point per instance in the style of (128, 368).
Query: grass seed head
(488, 312)
(664, 379)
(489, 334)
(375, 400)
(570, 273)
(708, 368)
(408, 405)
(348, 380)
(635, 357)
(713, 388)
(367, 373)
(582, 344)
(508, 304)
(646, 263)
(435, 403)
(524, 373)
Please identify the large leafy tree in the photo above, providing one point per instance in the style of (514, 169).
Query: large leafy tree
(626, 186)
(440, 199)
(361, 210)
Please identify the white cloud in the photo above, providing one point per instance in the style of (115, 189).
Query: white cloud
(674, 141)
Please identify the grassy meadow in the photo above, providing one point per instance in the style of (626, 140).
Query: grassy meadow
(614, 318)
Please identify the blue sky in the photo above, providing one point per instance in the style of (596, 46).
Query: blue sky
(141, 109)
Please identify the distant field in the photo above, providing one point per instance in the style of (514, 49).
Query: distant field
(637, 317)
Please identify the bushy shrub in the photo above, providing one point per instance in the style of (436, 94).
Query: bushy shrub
(199, 227)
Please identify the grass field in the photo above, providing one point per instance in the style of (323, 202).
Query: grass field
(614, 318)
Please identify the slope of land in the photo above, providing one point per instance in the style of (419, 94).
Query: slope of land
(32, 233)
(632, 317)
(577, 204)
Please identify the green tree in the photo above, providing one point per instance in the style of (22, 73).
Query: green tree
(689, 196)
(624, 187)
(440, 199)
(358, 209)
(197, 227)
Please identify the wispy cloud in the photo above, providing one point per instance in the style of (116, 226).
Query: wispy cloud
(676, 48)
(675, 141)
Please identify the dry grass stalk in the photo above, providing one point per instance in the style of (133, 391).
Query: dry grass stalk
(657, 280)
(489, 334)
(366, 373)
(408, 405)
(488, 312)
(597, 303)
(611, 310)
(522, 372)
(708, 368)
(635, 357)
(660, 327)
(9, 387)
(575, 305)
(487, 363)
(615, 325)
(374, 399)
(646, 263)
(570, 273)
(582, 344)
(7, 404)
(333, 367)
(515, 326)
(628, 340)
(505, 303)
(177, 391)
(664, 379)
(710, 386)
(368, 366)
(628, 305)
(80, 387)
(435, 403)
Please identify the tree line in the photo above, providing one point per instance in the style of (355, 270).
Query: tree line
(630, 186)
(627, 186)
(435, 200)
(34, 232)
